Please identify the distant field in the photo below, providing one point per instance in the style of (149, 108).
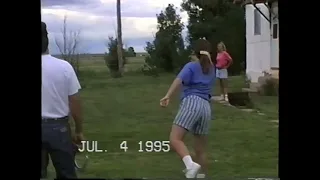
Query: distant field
(96, 62)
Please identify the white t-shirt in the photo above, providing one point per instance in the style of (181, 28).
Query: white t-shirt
(59, 81)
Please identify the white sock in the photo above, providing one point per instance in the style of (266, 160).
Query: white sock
(187, 160)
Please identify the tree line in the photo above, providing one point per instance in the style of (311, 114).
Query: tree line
(215, 20)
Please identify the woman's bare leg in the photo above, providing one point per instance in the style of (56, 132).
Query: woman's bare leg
(221, 85)
(176, 140)
(200, 144)
(225, 88)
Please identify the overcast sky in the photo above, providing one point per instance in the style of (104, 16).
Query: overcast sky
(96, 19)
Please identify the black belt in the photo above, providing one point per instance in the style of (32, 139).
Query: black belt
(66, 118)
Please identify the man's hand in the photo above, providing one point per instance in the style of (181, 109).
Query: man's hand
(164, 102)
(78, 137)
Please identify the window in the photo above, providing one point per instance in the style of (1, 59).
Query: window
(275, 31)
(257, 22)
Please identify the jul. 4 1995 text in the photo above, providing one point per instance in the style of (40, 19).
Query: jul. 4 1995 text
(148, 146)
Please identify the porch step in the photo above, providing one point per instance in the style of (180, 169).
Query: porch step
(275, 74)
(253, 88)
(249, 90)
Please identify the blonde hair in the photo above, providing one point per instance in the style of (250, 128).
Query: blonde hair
(223, 46)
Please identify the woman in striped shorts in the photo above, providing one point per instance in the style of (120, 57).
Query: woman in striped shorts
(194, 115)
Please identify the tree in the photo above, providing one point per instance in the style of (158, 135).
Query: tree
(218, 20)
(131, 52)
(111, 57)
(68, 45)
(168, 46)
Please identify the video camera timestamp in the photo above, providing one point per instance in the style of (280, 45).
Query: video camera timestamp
(148, 146)
(143, 146)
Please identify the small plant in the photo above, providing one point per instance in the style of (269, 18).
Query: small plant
(271, 85)
(266, 74)
(149, 70)
(247, 79)
(240, 99)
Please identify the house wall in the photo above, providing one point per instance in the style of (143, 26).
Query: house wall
(258, 46)
(274, 38)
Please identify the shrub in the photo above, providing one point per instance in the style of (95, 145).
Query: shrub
(270, 87)
(149, 70)
(111, 58)
(240, 99)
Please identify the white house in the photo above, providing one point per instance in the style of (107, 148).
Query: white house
(262, 35)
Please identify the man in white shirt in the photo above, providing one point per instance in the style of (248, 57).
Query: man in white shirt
(59, 99)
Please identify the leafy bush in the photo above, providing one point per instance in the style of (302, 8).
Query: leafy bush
(240, 99)
(130, 52)
(149, 70)
(270, 87)
(111, 58)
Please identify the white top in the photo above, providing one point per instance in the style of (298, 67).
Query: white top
(59, 81)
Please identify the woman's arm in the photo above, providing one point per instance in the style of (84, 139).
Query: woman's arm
(229, 59)
(183, 78)
(174, 86)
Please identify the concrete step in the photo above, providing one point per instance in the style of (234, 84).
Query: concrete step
(249, 90)
(275, 73)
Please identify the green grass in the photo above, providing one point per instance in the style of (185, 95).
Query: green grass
(268, 105)
(241, 144)
(98, 64)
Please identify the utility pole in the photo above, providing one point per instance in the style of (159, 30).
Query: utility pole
(65, 36)
(119, 38)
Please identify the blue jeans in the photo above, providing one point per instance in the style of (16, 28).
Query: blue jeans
(57, 142)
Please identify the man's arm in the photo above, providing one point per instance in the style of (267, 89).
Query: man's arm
(75, 102)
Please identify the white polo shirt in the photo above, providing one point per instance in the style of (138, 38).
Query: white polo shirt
(59, 81)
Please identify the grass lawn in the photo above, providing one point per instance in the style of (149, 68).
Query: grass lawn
(241, 144)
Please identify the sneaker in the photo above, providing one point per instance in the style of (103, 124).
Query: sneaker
(200, 176)
(193, 171)
(226, 98)
(221, 97)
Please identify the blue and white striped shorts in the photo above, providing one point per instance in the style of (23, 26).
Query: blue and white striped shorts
(194, 115)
